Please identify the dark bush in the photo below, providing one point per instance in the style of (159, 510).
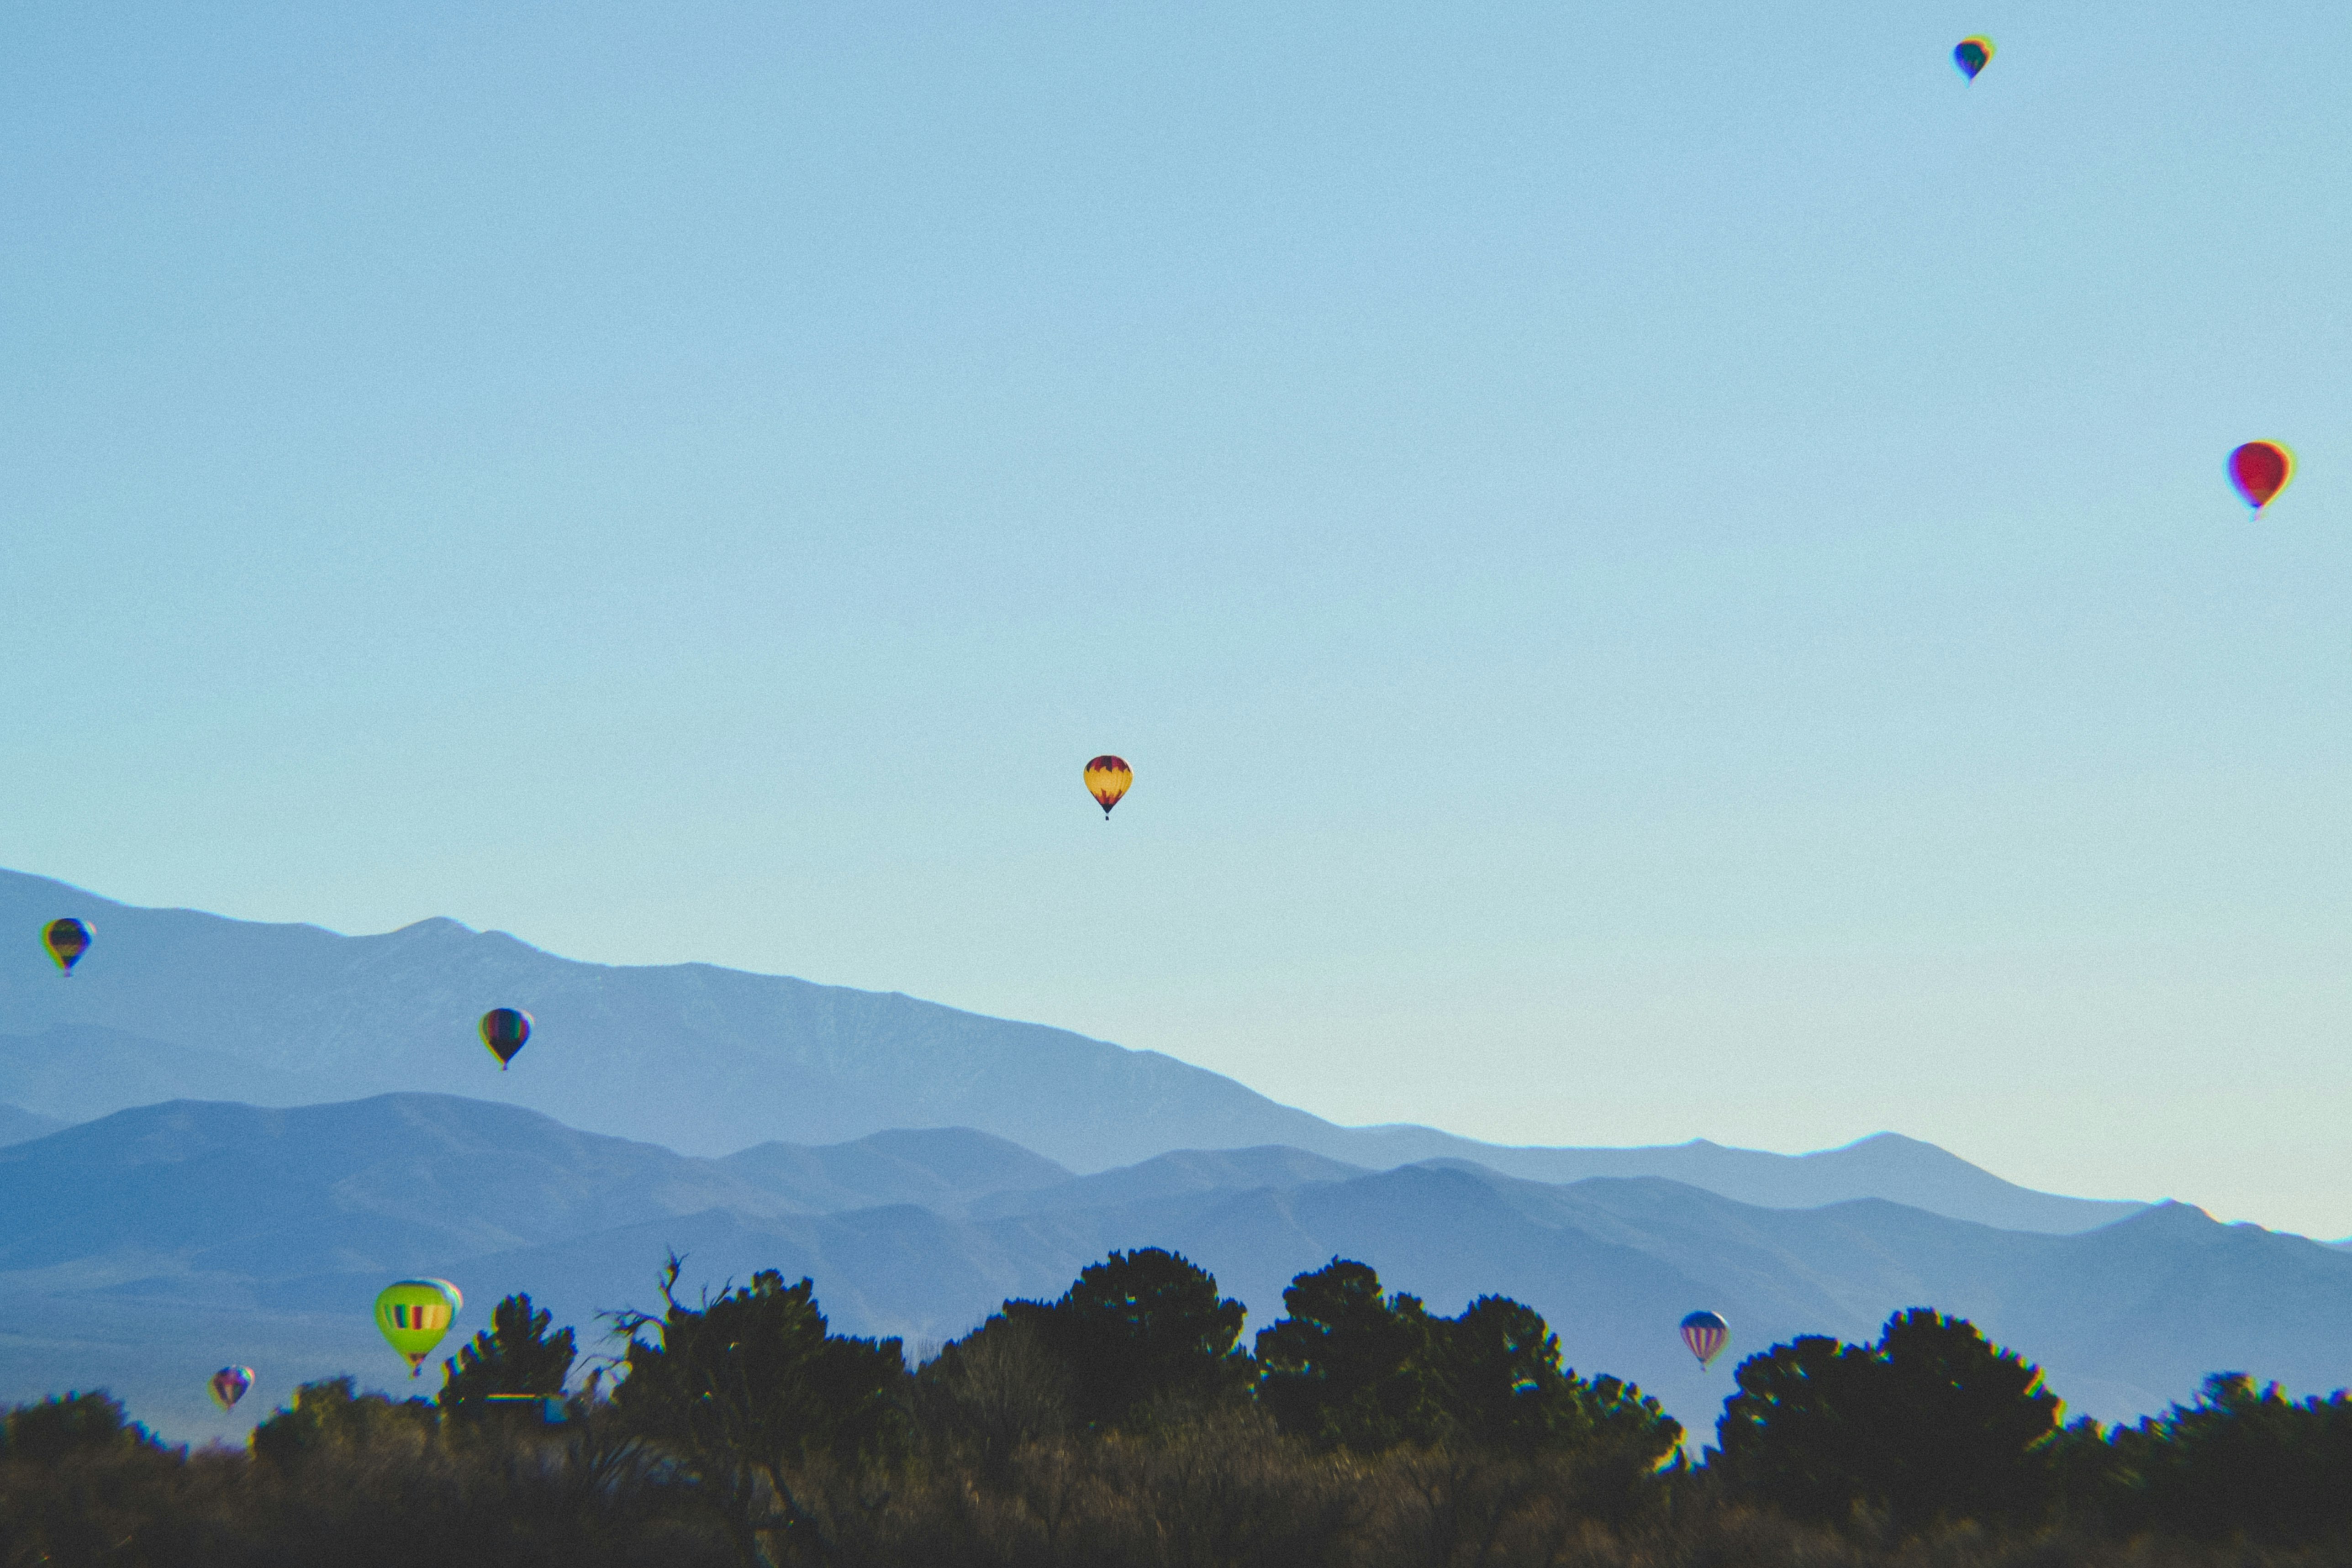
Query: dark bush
(745, 1433)
(1931, 1423)
(2237, 1464)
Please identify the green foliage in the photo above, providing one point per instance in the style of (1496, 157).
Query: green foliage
(515, 1354)
(1348, 1367)
(749, 1391)
(1931, 1423)
(1352, 1368)
(73, 1425)
(2237, 1463)
(745, 1432)
(1138, 1329)
(329, 1414)
(1500, 1383)
(990, 1394)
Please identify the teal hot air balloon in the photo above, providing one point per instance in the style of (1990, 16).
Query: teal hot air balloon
(505, 1030)
(1972, 55)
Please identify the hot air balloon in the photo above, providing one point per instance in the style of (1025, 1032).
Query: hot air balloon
(228, 1386)
(1106, 781)
(1971, 56)
(506, 1030)
(2260, 469)
(1704, 1332)
(67, 941)
(413, 1315)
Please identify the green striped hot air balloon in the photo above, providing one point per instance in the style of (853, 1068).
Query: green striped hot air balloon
(415, 1315)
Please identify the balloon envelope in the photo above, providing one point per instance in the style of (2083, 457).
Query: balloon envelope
(67, 941)
(1106, 781)
(1970, 54)
(1706, 1332)
(415, 1315)
(228, 1386)
(506, 1030)
(2261, 469)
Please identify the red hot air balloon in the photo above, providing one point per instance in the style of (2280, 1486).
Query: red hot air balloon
(2261, 469)
(1706, 1332)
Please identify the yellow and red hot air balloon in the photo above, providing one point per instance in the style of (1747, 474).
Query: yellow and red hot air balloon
(1106, 781)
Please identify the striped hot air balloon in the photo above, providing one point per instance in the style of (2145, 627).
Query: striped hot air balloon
(506, 1030)
(1106, 781)
(1706, 1332)
(415, 1315)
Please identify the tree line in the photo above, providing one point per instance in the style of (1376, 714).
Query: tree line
(1124, 1422)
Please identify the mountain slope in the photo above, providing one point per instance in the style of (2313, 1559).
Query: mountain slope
(19, 1125)
(698, 1058)
(178, 1004)
(72, 1072)
(393, 1184)
(142, 1249)
(942, 1167)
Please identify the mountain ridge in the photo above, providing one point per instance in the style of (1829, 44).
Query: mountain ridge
(154, 1244)
(714, 1061)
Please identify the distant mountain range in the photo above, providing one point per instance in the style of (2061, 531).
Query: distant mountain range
(17, 1124)
(178, 1004)
(269, 1122)
(150, 1246)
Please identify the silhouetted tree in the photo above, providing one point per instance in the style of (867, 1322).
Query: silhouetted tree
(2237, 1463)
(1348, 1367)
(329, 1413)
(1970, 1423)
(749, 1389)
(1138, 1328)
(991, 1393)
(515, 1354)
(1932, 1422)
(73, 1425)
(1500, 1383)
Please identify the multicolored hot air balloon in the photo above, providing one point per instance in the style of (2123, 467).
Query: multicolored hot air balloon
(67, 941)
(415, 1315)
(2261, 469)
(1106, 781)
(228, 1386)
(506, 1030)
(1971, 56)
(1706, 1332)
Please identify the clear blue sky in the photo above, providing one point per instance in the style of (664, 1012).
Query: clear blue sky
(1665, 569)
